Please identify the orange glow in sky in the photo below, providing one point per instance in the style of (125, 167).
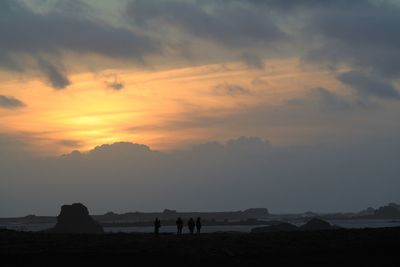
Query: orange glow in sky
(157, 108)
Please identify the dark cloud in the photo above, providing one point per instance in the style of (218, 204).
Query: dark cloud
(289, 5)
(10, 102)
(71, 7)
(368, 85)
(113, 82)
(230, 90)
(252, 61)
(362, 35)
(328, 101)
(29, 35)
(231, 24)
(56, 77)
(116, 86)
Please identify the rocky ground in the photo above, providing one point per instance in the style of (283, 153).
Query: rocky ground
(365, 247)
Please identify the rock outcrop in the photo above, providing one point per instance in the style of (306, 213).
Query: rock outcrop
(75, 218)
(281, 227)
(391, 211)
(316, 225)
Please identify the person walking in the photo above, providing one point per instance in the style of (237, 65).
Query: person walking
(179, 225)
(157, 225)
(191, 225)
(198, 225)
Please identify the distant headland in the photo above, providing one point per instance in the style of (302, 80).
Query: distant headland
(249, 217)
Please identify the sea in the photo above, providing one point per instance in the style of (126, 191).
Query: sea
(349, 224)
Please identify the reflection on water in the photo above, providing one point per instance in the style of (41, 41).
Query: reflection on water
(351, 224)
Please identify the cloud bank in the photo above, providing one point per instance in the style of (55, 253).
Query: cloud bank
(241, 173)
(362, 35)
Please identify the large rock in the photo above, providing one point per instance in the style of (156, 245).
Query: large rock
(367, 212)
(75, 218)
(256, 213)
(387, 212)
(280, 227)
(316, 225)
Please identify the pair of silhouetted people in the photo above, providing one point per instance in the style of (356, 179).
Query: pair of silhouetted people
(191, 224)
(157, 225)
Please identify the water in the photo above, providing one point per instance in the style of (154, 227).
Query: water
(172, 229)
(350, 224)
(31, 227)
(357, 224)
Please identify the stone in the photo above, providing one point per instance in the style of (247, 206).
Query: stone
(75, 218)
(281, 227)
(316, 225)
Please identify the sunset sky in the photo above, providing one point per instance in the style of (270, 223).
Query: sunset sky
(304, 78)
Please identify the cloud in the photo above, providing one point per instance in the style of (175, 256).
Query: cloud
(113, 82)
(10, 102)
(186, 121)
(231, 24)
(249, 145)
(116, 86)
(328, 101)
(70, 143)
(237, 174)
(252, 61)
(362, 34)
(28, 36)
(56, 77)
(368, 85)
(301, 4)
(359, 34)
(13, 147)
(230, 90)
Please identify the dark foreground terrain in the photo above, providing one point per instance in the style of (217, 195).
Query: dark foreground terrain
(366, 247)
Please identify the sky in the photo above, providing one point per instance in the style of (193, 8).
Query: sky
(199, 105)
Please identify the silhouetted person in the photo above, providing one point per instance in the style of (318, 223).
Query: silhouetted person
(191, 225)
(179, 225)
(198, 225)
(157, 225)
